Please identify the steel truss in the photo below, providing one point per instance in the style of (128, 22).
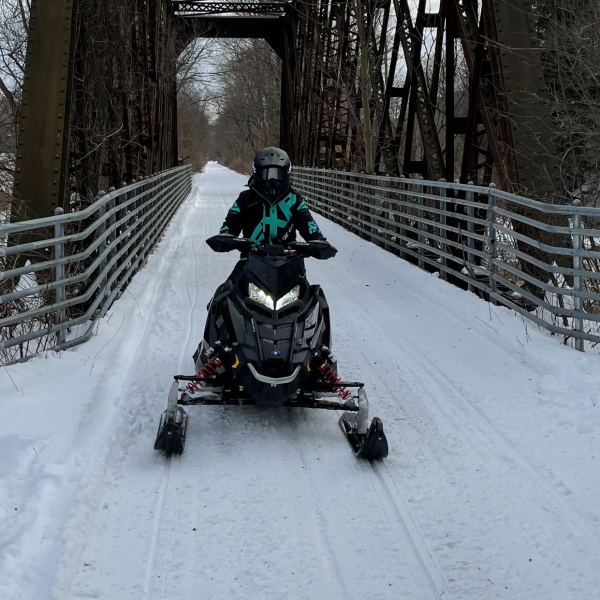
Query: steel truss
(488, 125)
(200, 8)
(455, 94)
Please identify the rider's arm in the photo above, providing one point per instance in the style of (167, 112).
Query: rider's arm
(304, 222)
(233, 221)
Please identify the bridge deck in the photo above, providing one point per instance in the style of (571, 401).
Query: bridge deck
(491, 489)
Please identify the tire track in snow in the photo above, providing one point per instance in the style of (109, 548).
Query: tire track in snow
(388, 517)
(464, 423)
(488, 434)
(493, 450)
(460, 401)
(326, 545)
(192, 333)
(409, 526)
(405, 520)
(100, 461)
(156, 532)
(403, 517)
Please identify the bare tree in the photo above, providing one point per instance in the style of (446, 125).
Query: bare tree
(248, 109)
(570, 32)
(14, 17)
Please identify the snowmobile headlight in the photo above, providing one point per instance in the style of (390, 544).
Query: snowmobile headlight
(290, 297)
(261, 297)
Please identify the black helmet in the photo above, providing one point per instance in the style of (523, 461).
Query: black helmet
(272, 168)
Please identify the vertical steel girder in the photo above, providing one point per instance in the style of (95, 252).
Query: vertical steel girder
(43, 140)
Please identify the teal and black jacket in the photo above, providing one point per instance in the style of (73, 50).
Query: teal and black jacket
(265, 223)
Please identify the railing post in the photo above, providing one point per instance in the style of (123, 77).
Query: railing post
(59, 274)
(471, 230)
(337, 189)
(347, 193)
(103, 245)
(492, 240)
(367, 207)
(130, 207)
(327, 183)
(119, 233)
(400, 230)
(420, 237)
(443, 245)
(578, 320)
(353, 194)
(386, 210)
(112, 236)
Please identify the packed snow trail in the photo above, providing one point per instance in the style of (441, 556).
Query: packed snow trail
(491, 489)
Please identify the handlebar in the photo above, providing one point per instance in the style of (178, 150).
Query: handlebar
(225, 242)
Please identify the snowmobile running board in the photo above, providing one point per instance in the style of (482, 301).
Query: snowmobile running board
(368, 442)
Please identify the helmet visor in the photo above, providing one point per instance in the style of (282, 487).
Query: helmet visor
(277, 173)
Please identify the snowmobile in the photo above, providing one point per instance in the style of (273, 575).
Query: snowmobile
(267, 343)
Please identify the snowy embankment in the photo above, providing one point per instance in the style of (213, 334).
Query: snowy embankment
(491, 489)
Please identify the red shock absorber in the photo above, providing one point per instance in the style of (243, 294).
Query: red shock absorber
(331, 376)
(208, 370)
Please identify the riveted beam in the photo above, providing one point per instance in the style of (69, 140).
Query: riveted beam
(43, 140)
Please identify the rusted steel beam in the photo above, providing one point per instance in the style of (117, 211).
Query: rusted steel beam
(191, 8)
(44, 123)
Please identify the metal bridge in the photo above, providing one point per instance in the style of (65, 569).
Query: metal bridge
(468, 188)
(491, 488)
(500, 133)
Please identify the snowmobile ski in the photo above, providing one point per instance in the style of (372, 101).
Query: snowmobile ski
(371, 443)
(173, 425)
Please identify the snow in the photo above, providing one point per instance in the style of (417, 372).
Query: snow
(491, 489)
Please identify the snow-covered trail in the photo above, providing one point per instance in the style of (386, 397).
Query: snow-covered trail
(256, 507)
(491, 489)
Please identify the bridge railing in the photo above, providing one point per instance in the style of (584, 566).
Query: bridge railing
(60, 274)
(540, 260)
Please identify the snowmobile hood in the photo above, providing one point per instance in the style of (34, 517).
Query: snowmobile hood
(277, 275)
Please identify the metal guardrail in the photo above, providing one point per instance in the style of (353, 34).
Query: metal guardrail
(65, 271)
(485, 240)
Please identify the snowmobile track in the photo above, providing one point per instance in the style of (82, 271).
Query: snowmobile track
(485, 433)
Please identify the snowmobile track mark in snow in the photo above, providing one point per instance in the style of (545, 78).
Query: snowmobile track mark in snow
(486, 429)
(411, 530)
(154, 542)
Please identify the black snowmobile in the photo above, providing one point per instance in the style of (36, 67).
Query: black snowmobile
(267, 343)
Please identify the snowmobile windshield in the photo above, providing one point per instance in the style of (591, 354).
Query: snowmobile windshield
(277, 275)
(277, 173)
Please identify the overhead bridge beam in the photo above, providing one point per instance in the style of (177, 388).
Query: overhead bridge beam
(191, 8)
(258, 20)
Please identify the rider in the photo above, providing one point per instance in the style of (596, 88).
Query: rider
(271, 212)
